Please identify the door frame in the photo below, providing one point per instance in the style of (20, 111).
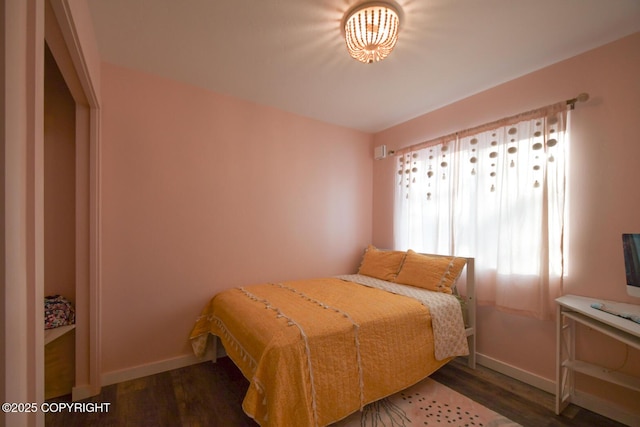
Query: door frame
(62, 35)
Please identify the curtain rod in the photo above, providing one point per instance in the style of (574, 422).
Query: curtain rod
(569, 103)
(583, 97)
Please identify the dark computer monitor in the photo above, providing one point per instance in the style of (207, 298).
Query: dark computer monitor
(631, 250)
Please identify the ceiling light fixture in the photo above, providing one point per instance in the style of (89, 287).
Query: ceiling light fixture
(371, 30)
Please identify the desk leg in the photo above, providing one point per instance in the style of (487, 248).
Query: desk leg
(565, 354)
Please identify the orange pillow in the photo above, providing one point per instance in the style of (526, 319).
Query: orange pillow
(381, 264)
(434, 273)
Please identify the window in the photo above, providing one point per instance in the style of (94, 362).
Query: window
(496, 193)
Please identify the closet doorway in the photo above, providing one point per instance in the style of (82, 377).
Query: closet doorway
(59, 228)
(71, 196)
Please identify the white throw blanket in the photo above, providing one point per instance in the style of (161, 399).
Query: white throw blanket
(449, 335)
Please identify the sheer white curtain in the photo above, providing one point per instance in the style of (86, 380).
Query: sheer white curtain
(496, 193)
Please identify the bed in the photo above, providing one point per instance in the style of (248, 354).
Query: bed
(315, 351)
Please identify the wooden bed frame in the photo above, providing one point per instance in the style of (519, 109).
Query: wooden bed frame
(471, 329)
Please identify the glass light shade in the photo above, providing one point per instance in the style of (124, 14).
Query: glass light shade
(371, 31)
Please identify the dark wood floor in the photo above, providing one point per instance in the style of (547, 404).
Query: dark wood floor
(210, 395)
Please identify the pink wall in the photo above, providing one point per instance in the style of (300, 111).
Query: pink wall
(202, 192)
(604, 195)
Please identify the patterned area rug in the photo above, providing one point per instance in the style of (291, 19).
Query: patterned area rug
(427, 403)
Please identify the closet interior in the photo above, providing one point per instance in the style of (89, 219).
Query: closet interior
(59, 155)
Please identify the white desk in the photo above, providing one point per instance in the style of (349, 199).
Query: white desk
(572, 309)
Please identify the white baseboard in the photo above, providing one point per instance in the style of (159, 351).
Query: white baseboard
(140, 371)
(605, 408)
(526, 377)
(584, 400)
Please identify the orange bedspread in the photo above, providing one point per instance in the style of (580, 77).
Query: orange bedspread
(315, 351)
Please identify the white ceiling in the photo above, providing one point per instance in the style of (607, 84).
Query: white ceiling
(290, 54)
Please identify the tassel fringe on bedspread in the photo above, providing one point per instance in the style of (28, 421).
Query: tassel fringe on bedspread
(315, 351)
